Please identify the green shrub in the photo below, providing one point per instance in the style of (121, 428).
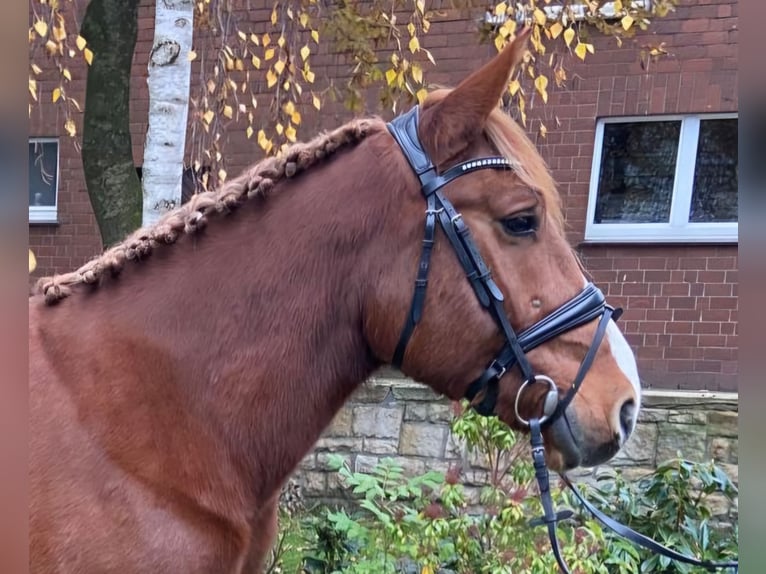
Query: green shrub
(425, 524)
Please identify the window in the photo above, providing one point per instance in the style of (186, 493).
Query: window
(43, 180)
(664, 179)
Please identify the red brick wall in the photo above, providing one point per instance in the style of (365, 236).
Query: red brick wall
(680, 301)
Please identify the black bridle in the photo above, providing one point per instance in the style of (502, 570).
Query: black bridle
(585, 307)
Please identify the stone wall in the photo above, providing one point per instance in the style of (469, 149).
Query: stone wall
(394, 417)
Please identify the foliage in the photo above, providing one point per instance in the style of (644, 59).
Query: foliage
(263, 83)
(671, 505)
(426, 524)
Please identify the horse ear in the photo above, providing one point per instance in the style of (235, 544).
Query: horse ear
(449, 125)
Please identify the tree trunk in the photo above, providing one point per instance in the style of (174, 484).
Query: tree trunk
(169, 84)
(110, 28)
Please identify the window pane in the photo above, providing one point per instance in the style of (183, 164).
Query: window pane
(638, 165)
(43, 173)
(714, 197)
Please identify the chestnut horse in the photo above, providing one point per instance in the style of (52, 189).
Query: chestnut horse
(172, 396)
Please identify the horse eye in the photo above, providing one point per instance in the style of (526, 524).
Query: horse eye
(520, 225)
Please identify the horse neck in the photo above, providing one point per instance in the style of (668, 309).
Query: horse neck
(262, 314)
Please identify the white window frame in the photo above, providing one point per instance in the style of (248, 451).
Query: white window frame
(679, 229)
(47, 213)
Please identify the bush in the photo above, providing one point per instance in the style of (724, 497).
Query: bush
(425, 524)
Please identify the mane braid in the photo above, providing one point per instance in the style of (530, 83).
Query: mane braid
(256, 181)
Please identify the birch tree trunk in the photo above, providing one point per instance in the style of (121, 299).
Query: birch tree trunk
(169, 84)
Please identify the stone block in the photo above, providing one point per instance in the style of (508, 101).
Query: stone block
(314, 483)
(723, 424)
(371, 392)
(410, 466)
(423, 439)
(414, 392)
(477, 459)
(640, 448)
(417, 412)
(341, 424)
(339, 444)
(646, 415)
(323, 461)
(377, 422)
(688, 440)
(365, 463)
(723, 449)
(380, 445)
(455, 448)
(440, 412)
(688, 418)
(309, 462)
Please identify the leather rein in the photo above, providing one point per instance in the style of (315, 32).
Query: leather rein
(585, 307)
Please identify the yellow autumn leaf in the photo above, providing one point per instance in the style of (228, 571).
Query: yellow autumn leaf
(208, 117)
(254, 39)
(305, 51)
(41, 28)
(222, 175)
(249, 132)
(540, 17)
(70, 128)
(427, 570)
(303, 19)
(513, 87)
(289, 107)
(543, 130)
(390, 76)
(315, 36)
(421, 6)
(59, 32)
(80, 42)
(281, 41)
(37, 69)
(417, 73)
(33, 88)
(569, 35)
(269, 54)
(228, 112)
(290, 133)
(65, 72)
(421, 95)
(56, 94)
(541, 83)
(192, 55)
(266, 39)
(256, 61)
(580, 51)
(88, 55)
(280, 128)
(309, 75)
(274, 16)
(556, 29)
(414, 44)
(32, 261)
(242, 35)
(627, 22)
(295, 117)
(499, 42)
(501, 8)
(271, 78)
(279, 66)
(316, 101)
(590, 48)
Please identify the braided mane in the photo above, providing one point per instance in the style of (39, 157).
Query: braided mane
(256, 181)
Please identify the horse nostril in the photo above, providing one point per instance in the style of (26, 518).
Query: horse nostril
(628, 417)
